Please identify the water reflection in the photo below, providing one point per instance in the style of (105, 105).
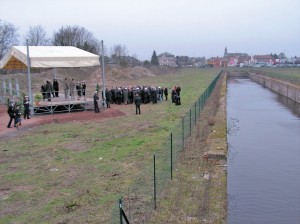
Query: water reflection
(264, 156)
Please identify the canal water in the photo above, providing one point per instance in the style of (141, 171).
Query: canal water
(264, 155)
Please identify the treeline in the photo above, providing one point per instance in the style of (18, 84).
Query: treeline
(75, 36)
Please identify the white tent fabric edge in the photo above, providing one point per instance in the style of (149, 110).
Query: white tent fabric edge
(51, 57)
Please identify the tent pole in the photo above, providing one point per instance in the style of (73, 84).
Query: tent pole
(29, 80)
(103, 74)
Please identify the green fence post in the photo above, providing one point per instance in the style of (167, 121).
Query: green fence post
(120, 207)
(195, 113)
(182, 133)
(171, 156)
(199, 106)
(154, 182)
(190, 122)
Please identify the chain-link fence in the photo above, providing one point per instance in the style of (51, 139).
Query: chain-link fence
(143, 195)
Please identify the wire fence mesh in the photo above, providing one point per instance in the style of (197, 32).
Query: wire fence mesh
(143, 195)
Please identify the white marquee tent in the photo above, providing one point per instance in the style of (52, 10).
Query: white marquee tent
(48, 57)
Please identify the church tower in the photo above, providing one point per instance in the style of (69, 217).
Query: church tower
(225, 52)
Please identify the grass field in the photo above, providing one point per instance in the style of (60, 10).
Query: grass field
(75, 172)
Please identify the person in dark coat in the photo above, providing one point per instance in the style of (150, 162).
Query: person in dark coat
(96, 98)
(119, 96)
(108, 97)
(49, 90)
(146, 95)
(43, 91)
(26, 105)
(153, 95)
(178, 90)
(177, 99)
(166, 93)
(17, 117)
(11, 114)
(113, 95)
(137, 102)
(55, 87)
(78, 89)
(173, 93)
(83, 88)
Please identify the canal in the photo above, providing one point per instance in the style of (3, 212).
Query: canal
(264, 155)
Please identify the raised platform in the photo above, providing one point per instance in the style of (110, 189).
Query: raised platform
(62, 105)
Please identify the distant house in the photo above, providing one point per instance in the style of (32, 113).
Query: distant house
(217, 62)
(167, 59)
(297, 60)
(199, 62)
(184, 61)
(264, 59)
(281, 59)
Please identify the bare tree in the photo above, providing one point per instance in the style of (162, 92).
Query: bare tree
(37, 36)
(118, 53)
(118, 50)
(8, 37)
(78, 37)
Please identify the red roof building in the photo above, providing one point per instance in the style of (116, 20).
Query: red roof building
(264, 59)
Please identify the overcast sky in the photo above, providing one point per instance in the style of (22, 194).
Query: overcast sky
(182, 27)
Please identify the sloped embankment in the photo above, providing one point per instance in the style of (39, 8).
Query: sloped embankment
(198, 192)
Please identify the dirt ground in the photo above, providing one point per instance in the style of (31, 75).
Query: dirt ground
(37, 120)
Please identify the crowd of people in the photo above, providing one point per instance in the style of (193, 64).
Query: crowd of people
(51, 90)
(115, 95)
(148, 94)
(140, 95)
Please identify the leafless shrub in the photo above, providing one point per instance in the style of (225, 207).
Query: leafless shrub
(211, 120)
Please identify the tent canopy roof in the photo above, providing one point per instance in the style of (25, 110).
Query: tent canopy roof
(48, 57)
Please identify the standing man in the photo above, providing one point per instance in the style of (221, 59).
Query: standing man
(125, 95)
(137, 101)
(43, 91)
(55, 87)
(17, 117)
(108, 97)
(78, 88)
(83, 88)
(72, 86)
(49, 90)
(166, 92)
(66, 88)
(178, 90)
(173, 93)
(26, 107)
(96, 98)
(11, 113)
